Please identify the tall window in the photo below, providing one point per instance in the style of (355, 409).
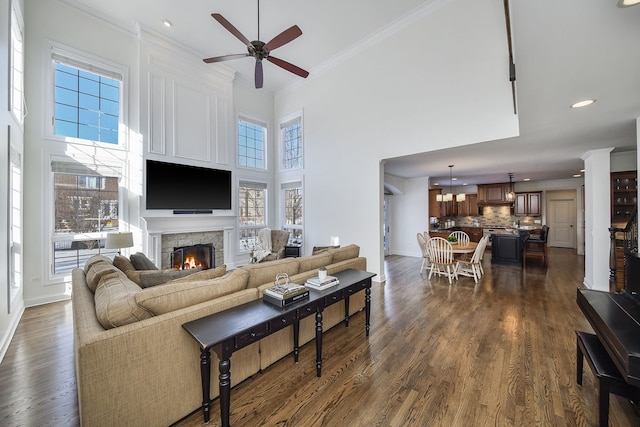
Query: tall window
(88, 98)
(18, 107)
(252, 216)
(85, 208)
(292, 196)
(291, 135)
(15, 225)
(251, 144)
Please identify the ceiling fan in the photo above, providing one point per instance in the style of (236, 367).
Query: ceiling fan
(259, 49)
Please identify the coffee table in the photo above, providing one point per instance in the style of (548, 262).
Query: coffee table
(236, 328)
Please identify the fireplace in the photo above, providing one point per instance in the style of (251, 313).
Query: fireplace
(192, 256)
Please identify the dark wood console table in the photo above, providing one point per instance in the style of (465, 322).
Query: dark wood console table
(236, 328)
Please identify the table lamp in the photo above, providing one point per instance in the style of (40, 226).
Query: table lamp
(119, 240)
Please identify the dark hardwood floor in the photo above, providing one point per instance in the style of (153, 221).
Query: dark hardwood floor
(500, 353)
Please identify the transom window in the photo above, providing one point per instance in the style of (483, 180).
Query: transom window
(291, 135)
(252, 216)
(18, 107)
(87, 105)
(251, 144)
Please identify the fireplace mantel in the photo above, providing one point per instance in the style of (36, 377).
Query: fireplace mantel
(157, 226)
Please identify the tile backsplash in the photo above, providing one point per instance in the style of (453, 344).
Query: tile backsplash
(493, 216)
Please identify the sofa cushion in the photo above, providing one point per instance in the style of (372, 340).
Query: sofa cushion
(96, 271)
(115, 301)
(322, 249)
(123, 263)
(93, 260)
(210, 273)
(174, 296)
(149, 278)
(347, 252)
(262, 273)
(141, 262)
(314, 262)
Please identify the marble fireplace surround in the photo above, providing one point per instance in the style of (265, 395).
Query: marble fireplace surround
(187, 228)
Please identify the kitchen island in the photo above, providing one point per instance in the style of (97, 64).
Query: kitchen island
(507, 247)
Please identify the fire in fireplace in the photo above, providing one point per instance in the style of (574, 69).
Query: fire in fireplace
(201, 255)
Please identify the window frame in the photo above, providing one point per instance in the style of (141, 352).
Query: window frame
(92, 64)
(246, 249)
(284, 122)
(265, 143)
(91, 168)
(17, 102)
(284, 186)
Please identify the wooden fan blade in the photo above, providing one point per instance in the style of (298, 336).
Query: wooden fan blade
(233, 30)
(225, 57)
(283, 38)
(288, 66)
(258, 75)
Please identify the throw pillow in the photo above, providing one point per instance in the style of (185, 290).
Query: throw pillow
(266, 272)
(322, 249)
(149, 278)
(208, 274)
(141, 262)
(115, 302)
(174, 296)
(96, 272)
(93, 260)
(123, 263)
(348, 252)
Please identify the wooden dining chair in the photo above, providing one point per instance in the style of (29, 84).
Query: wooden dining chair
(422, 242)
(463, 238)
(536, 247)
(473, 267)
(441, 258)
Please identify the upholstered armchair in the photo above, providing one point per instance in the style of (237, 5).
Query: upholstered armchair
(279, 239)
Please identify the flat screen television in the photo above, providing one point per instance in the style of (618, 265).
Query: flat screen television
(187, 189)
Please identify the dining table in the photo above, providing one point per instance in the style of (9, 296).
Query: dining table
(463, 249)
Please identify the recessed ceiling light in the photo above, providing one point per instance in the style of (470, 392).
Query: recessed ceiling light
(585, 102)
(454, 179)
(436, 183)
(465, 183)
(582, 170)
(577, 175)
(167, 23)
(527, 179)
(627, 3)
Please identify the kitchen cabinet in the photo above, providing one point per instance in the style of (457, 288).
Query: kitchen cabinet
(624, 196)
(493, 194)
(436, 209)
(528, 204)
(468, 207)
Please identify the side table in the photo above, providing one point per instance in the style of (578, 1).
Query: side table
(291, 251)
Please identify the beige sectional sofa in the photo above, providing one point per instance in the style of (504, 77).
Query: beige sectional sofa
(135, 364)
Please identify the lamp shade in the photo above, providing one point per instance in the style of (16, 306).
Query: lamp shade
(119, 240)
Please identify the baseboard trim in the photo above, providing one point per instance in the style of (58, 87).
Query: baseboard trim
(46, 300)
(11, 330)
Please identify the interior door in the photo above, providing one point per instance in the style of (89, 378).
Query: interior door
(561, 221)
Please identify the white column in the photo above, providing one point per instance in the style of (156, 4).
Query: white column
(597, 218)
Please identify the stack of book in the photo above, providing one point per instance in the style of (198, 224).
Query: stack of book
(285, 294)
(317, 283)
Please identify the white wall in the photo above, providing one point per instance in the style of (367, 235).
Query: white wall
(369, 108)
(409, 213)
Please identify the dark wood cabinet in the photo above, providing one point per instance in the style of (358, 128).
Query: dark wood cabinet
(528, 204)
(291, 251)
(493, 194)
(436, 209)
(624, 196)
(468, 207)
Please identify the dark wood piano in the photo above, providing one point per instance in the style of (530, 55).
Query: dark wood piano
(615, 318)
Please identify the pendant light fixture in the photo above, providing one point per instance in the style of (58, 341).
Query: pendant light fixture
(511, 196)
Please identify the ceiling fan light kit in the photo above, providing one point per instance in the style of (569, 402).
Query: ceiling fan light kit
(261, 50)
